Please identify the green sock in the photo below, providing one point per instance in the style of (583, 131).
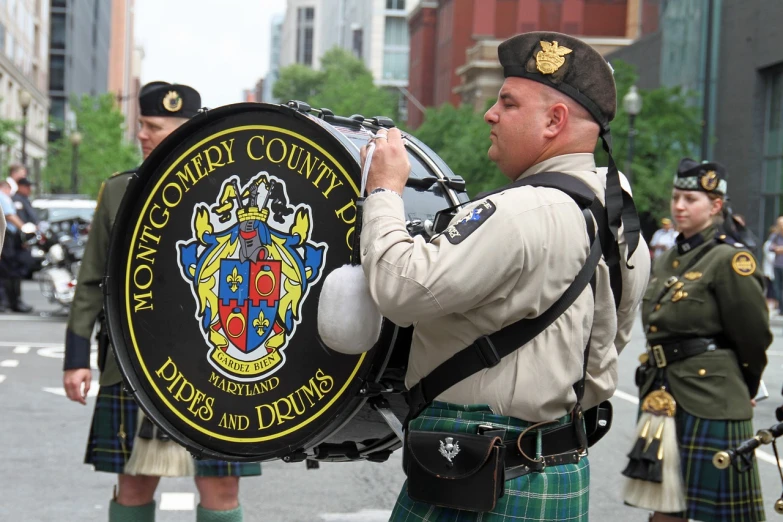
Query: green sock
(207, 515)
(120, 513)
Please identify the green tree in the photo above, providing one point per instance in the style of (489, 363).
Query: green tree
(344, 85)
(102, 151)
(461, 137)
(667, 130)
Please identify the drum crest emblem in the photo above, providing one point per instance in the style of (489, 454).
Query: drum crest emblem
(250, 264)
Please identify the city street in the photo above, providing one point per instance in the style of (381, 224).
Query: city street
(43, 438)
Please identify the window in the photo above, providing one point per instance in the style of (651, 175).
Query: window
(395, 65)
(396, 32)
(395, 4)
(57, 73)
(772, 162)
(58, 31)
(305, 35)
(60, 3)
(358, 42)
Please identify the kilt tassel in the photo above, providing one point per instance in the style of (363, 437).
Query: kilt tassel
(636, 468)
(154, 453)
(657, 482)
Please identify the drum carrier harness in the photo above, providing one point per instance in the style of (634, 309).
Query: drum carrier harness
(475, 481)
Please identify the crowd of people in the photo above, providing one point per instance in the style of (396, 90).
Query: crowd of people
(15, 259)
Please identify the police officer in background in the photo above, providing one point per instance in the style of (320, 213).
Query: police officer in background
(24, 208)
(163, 108)
(508, 260)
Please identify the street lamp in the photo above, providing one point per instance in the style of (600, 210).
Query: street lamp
(24, 101)
(76, 139)
(632, 103)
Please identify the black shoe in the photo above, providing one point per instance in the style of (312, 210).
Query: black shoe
(22, 308)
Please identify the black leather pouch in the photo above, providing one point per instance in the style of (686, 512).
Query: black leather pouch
(598, 421)
(455, 470)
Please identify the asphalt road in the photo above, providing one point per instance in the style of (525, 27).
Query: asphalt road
(42, 438)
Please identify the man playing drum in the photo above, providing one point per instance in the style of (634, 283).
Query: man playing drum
(507, 257)
(163, 108)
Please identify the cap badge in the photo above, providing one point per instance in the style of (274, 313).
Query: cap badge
(550, 59)
(172, 102)
(709, 181)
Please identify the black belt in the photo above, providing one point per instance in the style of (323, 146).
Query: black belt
(558, 446)
(664, 353)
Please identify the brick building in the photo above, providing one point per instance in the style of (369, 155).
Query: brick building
(453, 56)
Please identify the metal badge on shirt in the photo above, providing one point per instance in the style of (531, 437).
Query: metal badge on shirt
(460, 230)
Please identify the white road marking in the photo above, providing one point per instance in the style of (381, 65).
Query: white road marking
(14, 344)
(760, 453)
(365, 515)
(2, 378)
(9, 363)
(22, 349)
(177, 501)
(626, 396)
(774, 352)
(60, 391)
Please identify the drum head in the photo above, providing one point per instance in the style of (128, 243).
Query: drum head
(216, 264)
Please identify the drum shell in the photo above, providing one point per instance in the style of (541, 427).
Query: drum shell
(349, 420)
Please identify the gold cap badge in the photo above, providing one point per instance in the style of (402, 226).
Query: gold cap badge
(550, 59)
(172, 102)
(709, 181)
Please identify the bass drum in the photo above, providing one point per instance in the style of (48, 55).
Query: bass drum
(215, 268)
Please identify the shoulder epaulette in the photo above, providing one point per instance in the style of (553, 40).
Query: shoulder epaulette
(728, 240)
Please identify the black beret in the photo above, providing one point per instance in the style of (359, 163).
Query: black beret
(24, 182)
(169, 100)
(707, 177)
(564, 63)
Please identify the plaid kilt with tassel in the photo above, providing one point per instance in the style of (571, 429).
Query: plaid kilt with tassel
(558, 493)
(114, 424)
(714, 495)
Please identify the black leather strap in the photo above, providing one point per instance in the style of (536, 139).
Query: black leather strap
(558, 446)
(666, 352)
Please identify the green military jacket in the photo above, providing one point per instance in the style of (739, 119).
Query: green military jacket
(708, 286)
(88, 300)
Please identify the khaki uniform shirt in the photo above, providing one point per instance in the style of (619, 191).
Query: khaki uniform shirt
(515, 265)
(88, 299)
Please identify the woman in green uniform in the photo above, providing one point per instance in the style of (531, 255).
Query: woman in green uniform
(707, 328)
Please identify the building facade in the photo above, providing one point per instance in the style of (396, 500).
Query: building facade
(275, 39)
(24, 57)
(458, 39)
(78, 56)
(300, 38)
(121, 80)
(728, 52)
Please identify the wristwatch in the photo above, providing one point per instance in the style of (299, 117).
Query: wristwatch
(381, 189)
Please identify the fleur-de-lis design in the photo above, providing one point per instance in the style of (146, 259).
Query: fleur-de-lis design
(261, 323)
(234, 280)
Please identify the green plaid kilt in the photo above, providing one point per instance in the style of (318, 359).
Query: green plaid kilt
(115, 413)
(558, 493)
(712, 494)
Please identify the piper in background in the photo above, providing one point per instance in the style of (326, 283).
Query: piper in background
(707, 327)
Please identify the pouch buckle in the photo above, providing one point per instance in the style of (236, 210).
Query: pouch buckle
(659, 355)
